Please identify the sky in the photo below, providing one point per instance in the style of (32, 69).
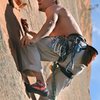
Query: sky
(95, 74)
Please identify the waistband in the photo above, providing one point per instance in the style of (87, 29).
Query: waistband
(75, 35)
(71, 37)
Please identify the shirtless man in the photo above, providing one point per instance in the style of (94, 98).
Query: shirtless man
(43, 46)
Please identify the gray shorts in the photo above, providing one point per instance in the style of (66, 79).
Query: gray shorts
(43, 50)
(33, 54)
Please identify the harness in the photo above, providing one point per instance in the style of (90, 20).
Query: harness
(77, 44)
(72, 45)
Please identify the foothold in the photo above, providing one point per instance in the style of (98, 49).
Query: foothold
(20, 4)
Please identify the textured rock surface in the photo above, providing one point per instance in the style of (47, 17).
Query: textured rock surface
(11, 85)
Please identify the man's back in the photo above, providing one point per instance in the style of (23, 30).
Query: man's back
(66, 24)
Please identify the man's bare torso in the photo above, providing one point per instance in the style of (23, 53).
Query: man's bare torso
(66, 24)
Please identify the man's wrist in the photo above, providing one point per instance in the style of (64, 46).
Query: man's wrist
(34, 40)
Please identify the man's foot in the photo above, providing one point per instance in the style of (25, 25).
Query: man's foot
(38, 88)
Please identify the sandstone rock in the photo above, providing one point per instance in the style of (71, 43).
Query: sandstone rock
(11, 84)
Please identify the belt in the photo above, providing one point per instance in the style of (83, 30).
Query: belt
(76, 39)
(67, 73)
(75, 35)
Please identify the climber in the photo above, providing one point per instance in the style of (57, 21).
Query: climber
(59, 37)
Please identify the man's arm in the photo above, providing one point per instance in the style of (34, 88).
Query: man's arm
(47, 28)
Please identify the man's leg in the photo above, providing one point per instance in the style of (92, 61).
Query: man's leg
(32, 54)
(31, 66)
(61, 80)
(48, 54)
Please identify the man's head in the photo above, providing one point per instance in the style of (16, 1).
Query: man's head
(44, 4)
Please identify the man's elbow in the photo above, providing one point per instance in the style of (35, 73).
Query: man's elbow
(53, 22)
(51, 26)
(55, 18)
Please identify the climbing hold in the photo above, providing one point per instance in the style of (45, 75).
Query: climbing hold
(20, 4)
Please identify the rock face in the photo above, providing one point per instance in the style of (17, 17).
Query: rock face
(11, 84)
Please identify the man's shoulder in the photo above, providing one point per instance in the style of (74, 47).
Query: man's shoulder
(58, 10)
(62, 11)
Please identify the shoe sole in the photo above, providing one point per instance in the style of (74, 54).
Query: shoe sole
(31, 89)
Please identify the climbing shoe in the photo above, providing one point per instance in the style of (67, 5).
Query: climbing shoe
(38, 88)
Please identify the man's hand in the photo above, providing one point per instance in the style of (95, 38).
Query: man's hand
(33, 34)
(26, 28)
(25, 41)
